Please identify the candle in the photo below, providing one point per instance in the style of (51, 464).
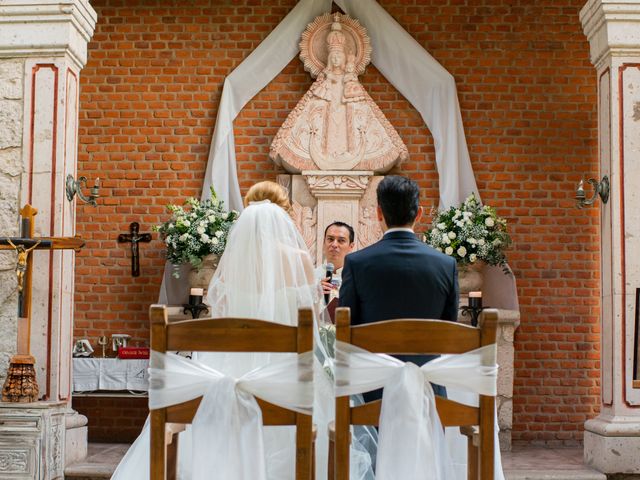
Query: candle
(197, 292)
(475, 299)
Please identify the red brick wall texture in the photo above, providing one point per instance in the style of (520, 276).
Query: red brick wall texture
(527, 91)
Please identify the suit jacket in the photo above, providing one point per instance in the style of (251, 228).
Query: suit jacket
(399, 277)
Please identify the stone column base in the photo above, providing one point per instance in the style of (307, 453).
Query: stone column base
(612, 445)
(76, 443)
(32, 440)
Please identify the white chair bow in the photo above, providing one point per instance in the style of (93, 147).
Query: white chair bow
(411, 439)
(227, 428)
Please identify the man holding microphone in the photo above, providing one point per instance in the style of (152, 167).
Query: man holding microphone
(339, 240)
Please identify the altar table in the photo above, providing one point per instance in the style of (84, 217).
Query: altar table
(92, 374)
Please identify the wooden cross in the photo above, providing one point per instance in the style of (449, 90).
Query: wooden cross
(134, 237)
(20, 385)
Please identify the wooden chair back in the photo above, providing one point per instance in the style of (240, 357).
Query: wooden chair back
(418, 337)
(228, 335)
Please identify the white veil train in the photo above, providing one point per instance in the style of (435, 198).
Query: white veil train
(265, 273)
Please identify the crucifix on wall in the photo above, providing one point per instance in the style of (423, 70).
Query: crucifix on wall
(134, 237)
(20, 384)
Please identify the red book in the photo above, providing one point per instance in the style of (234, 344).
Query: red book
(129, 353)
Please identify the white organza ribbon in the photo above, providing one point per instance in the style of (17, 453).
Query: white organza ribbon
(227, 428)
(411, 438)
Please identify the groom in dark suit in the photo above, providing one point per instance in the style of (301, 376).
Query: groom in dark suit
(399, 276)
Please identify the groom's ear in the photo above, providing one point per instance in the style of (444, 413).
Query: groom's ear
(418, 215)
(381, 218)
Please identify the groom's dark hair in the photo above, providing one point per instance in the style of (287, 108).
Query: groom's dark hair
(399, 200)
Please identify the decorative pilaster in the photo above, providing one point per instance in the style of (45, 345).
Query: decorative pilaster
(43, 47)
(612, 440)
(46, 43)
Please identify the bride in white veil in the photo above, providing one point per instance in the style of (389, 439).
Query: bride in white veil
(265, 273)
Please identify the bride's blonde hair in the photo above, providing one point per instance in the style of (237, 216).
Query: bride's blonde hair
(268, 191)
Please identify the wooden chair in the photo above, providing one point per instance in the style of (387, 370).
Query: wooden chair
(417, 337)
(226, 335)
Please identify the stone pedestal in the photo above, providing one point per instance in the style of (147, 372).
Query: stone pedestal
(612, 440)
(43, 47)
(508, 322)
(32, 439)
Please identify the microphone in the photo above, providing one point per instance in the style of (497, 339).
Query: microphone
(328, 276)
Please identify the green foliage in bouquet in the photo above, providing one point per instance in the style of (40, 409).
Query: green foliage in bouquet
(196, 230)
(470, 233)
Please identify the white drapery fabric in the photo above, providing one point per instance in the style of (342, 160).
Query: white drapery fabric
(407, 66)
(227, 428)
(251, 76)
(397, 55)
(248, 78)
(411, 439)
(428, 87)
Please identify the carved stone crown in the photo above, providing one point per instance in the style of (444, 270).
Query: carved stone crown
(336, 39)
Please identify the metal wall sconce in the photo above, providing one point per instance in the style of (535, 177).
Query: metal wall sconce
(75, 186)
(599, 188)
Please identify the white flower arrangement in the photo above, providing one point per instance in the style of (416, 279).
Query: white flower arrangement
(470, 233)
(192, 234)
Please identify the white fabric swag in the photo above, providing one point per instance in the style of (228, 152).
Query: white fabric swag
(403, 62)
(411, 439)
(397, 55)
(227, 428)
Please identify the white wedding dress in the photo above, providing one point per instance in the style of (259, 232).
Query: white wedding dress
(265, 273)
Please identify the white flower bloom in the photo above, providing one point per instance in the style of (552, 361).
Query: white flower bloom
(200, 230)
(219, 233)
(439, 249)
(452, 235)
(212, 218)
(457, 214)
(445, 239)
(471, 240)
(441, 226)
(481, 241)
(186, 222)
(448, 250)
(184, 237)
(473, 257)
(462, 251)
(215, 241)
(205, 238)
(489, 222)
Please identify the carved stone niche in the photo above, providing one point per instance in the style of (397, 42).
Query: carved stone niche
(319, 198)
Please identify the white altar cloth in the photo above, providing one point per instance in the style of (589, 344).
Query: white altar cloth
(91, 374)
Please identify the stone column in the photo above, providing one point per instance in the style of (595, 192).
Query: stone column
(612, 440)
(43, 47)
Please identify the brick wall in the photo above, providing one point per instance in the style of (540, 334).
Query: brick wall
(116, 419)
(527, 91)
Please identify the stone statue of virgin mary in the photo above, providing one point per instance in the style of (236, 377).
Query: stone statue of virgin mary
(336, 125)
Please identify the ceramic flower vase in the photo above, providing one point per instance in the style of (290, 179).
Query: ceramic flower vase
(470, 278)
(200, 278)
